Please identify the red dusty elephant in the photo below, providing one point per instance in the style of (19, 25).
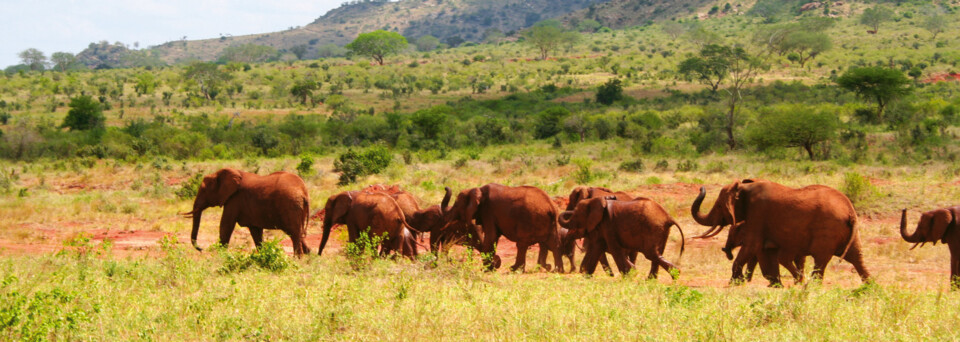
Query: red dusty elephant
(377, 211)
(777, 224)
(524, 214)
(938, 225)
(568, 238)
(275, 201)
(618, 227)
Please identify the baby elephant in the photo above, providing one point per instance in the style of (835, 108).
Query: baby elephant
(621, 226)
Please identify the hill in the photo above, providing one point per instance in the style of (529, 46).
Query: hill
(452, 21)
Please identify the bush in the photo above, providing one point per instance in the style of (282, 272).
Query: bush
(632, 166)
(305, 168)
(269, 257)
(352, 164)
(361, 252)
(687, 165)
(85, 114)
(584, 174)
(550, 122)
(610, 92)
(857, 187)
(188, 189)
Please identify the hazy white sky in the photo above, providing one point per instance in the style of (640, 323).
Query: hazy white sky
(71, 25)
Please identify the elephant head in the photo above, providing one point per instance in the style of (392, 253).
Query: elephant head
(932, 227)
(583, 192)
(585, 218)
(464, 210)
(430, 219)
(335, 212)
(725, 210)
(214, 191)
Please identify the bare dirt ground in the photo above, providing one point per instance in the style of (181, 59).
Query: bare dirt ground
(703, 264)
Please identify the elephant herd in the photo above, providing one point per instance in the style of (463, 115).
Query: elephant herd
(771, 224)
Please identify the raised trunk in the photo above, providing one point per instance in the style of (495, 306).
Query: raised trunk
(903, 230)
(444, 209)
(709, 220)
(564, 219)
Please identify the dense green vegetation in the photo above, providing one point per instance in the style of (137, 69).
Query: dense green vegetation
(430, 103)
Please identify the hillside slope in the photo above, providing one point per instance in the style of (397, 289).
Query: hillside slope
(465, 20)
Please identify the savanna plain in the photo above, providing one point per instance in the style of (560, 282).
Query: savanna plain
(96, 167)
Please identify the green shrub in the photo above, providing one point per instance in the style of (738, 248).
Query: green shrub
(352, 164)
(269, 257)
(188, 189)
(363, 251)
(857, 187)
(305, 168)
(632, 166)
(610, 92)
(687, 166)
(662, 165)
(583, 174)
(85, 114)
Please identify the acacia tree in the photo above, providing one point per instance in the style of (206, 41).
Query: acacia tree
(793, 126)
(63, 60)
(547, 36)
(33, 58)
(378, 44)
(883, 85)
(935, 22)
(743, 67)
(804, 46)
(876, 15)
(208, 76)
(709, 68)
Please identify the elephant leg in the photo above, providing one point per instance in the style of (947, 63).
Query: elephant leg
(521, 257)
(769, 267)
(227, 224)
(954, 271)
(633, 256)
(788, 263)
(488, 251)
(856, 259)
(800, 262)
(654, 268)
(736, 271)
(297, 245)
(257, 234)
(553, 243)
(542, 257)
(604, 262)
(619, 256)
(751, 267)
(589, 264)
(819, 264)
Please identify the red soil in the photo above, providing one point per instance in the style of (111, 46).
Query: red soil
(942, 78)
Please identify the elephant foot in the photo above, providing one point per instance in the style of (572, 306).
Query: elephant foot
(547, 267)
(736, 281)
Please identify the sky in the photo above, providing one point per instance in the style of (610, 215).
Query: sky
(70, 25)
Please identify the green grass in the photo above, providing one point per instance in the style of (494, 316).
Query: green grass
(183, 296)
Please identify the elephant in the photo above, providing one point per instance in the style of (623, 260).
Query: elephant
(276, 201)
(569, 239)
(777, 224)
(621, 226)
(377, 211)
(524, 214)
(735, 240)
(937, 225)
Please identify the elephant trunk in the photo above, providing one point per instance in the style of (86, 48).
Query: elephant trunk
(197, 213)
(446, 201)
(914, 238)
(709, 220)
(564, 219)
(327, 226)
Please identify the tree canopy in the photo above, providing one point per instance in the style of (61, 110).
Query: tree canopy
(378, 44)
(547, 36)
(793, 126)
(709, 68)
(85, 114)
(878, 83)
(33, 58)
(876, 15)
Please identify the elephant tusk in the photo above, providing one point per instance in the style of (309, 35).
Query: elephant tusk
(706, 234)
(914, 246)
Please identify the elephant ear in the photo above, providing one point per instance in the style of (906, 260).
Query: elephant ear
(595, 212)
(228, 183)
(473, 197)
(578, 194)
(341, 205)
(942, 220)
(730, 203)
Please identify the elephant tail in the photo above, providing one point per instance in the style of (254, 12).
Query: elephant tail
(854, 236)
(682, 239)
